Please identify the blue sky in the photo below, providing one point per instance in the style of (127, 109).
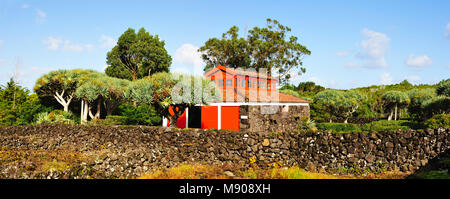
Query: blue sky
(352, 43)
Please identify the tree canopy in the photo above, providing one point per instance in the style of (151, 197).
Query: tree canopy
(62, 84)
(394, 100)
(137, 55)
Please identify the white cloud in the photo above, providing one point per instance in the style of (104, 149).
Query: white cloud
(447, 32)
(351, 64)
(342, 54)
(25, 6)
(72, 47)
(413, 79)
(66, 45)
(89, 47)
(41, 15)
(418, 61)
(373, 49)
(52, 43)
(188, 56)
(107, 42)
(385, 78)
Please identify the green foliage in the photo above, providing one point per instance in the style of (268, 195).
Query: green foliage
(433, 174)
(443, 88)
(17, 107)
(417, 98)
(339, 103)
(143, 114)
(338, 127)
(268, 48)
(62, 84)
(391, 125)
(55, 117)
(110, 120)
(307, 125)
(137, 55)
(438, 121)
(437, 105)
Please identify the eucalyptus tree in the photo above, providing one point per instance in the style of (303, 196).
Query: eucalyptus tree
(394, 100)
(61, 84)
(270, 48)
(137, 55)
(443, 88)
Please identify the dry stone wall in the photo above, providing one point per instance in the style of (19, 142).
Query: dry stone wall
(132, 151)
(272, 118)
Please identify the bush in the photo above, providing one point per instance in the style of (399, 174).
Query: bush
(55, 117)
(438, 121)
(141, 115)
(339, 127)
(307, 125)
(392, 125)
(109, 121)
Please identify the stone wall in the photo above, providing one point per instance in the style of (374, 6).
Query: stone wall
(130, 151)
(271, 118)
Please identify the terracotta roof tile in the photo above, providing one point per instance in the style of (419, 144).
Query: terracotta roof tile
(235, 95)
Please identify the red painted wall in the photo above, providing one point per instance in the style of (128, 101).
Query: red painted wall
(230, 118)
(209, 117)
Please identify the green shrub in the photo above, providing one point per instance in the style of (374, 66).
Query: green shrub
(392, 125)
(117, 119)
(307, 125)
(141, 115)
(438, 121)
(339, 127)
(55, 117)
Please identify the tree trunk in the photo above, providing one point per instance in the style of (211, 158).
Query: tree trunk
(97, 115)
(83, 121)
(331, 121)
(66, 107)
(390, 115)
(346, 120)
(86, 110)
(396, 112)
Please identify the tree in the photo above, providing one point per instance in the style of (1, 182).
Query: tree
(267, 48)
(61, 84)
(417, 97)
(443, 88)
(20, 109)
(350, 102)
(328, 100)
(171, 94)
(394, 100)
(91, 91)
(436, 105)
(137, 55)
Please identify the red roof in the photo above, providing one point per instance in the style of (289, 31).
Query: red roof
(233, 71)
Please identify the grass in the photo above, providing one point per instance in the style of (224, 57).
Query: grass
(200, 171)
(376, 126)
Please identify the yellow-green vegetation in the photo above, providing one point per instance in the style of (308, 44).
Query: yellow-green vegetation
(200, 171)
(40, 160)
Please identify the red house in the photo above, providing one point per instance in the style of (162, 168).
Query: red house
(246, 97)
